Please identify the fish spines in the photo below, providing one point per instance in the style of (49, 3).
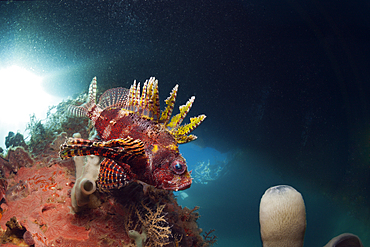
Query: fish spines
(143, 98)
(152, 104)
(83, 110)
(114, 97)
(76, 111)
(112, 176)
(143, 102)
(131, 96)
(177, 119)
(170, 102)
(181, 133)
(92, 91)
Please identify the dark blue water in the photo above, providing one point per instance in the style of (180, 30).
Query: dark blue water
(285, 87)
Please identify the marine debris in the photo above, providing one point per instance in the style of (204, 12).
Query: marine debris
(37, 190)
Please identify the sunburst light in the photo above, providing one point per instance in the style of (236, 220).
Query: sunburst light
(22, 95)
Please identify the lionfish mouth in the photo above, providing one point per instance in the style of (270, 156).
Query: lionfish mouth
(183, 185)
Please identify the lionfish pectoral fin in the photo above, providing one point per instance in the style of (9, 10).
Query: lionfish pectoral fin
(75, 147)
(125, 149)
(120, 150)
(112, 175)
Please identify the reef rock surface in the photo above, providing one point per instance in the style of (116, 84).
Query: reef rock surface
(36, 210)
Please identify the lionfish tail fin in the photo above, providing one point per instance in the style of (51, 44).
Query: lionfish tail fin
(92, 91)
(82, 110)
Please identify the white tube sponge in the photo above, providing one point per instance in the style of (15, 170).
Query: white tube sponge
(282, 217)
(87, 172)
(139, 238)
(345, 240)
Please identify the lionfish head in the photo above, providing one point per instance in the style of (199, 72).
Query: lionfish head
(170, 171)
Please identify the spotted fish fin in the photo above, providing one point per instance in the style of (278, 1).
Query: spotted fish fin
(119, 150)
(112, 175)
(83, 110)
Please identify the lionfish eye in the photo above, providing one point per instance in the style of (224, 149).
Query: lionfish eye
(178, 167)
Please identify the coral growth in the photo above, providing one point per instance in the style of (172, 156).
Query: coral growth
(16, 158)
(155, 226)
(208, 238)
(41, 205)
(44, 132)
(15, 140)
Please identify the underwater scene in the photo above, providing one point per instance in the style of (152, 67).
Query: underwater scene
(185, 123)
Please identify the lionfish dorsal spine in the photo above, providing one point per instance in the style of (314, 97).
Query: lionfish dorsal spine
(137, 98)
(131, 97)
(154, 104)
(170, 102)
(181, 134)
(144, 99)
(144, 94)
(177, 119)
(152, 100)
(146, 102)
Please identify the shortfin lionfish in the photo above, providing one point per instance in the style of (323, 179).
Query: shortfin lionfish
(138, 141)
